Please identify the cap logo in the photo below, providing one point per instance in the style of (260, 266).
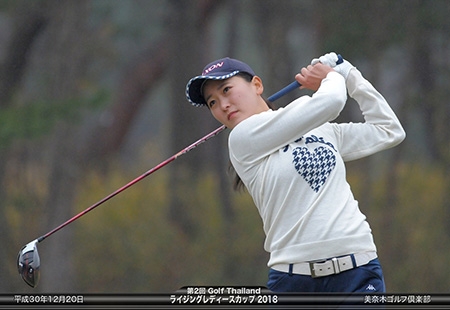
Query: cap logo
(215, 66)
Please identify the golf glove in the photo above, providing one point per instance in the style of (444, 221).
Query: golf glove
(330, 59)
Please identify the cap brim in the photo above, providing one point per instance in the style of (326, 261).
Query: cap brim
(194, 87)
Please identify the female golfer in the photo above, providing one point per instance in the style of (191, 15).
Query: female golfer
(291, 161)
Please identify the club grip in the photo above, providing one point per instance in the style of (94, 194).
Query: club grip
(295, 85)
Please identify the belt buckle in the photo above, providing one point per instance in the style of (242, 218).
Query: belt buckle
(312, 270)
(335, 265)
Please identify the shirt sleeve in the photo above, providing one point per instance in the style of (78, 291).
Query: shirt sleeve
(264, 133)
(381, 129)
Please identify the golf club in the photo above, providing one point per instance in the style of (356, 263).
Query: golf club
(28, 261)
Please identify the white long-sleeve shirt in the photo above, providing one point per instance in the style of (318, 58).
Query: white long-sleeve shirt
(292, 162)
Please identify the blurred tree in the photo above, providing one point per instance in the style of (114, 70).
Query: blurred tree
(430, 69)
(187, 53)
(65, 60)
(5, 227)
(429, 25)
(28, 21)
(274, 40)
(140, 76)
(66, 65)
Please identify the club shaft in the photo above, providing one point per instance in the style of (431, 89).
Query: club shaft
(272, 98)
(142, 176)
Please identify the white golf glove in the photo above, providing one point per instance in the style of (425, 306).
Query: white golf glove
(330, 59)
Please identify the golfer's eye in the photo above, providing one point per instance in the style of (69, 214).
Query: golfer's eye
(226, 89)
(211, 103)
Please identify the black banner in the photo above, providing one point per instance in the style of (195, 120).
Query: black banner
(191, 297)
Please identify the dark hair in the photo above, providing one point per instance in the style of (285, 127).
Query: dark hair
(238, 185)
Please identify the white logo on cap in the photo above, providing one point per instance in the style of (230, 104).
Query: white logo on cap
(217, 65)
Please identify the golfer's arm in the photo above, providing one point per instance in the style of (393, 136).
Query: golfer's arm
(267, 132)
(381, 129)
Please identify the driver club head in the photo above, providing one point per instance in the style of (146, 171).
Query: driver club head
(28, 263)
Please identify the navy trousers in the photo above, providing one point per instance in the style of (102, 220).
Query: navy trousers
(363, 279)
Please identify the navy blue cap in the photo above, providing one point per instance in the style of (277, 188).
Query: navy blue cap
(221, 69)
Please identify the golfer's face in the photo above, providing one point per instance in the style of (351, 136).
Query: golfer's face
(233, 100)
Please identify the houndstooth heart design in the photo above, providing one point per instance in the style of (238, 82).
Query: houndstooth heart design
(314, 167)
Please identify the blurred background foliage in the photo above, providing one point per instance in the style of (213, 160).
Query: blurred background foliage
(92, 96)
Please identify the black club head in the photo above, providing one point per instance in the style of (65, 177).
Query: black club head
(28, 264)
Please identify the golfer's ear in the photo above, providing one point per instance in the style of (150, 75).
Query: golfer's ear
(257, 82)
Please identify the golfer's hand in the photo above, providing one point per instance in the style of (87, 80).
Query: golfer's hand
(311, 76)
(331, 59)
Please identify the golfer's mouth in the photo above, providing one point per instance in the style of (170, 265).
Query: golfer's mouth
(231, 115)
